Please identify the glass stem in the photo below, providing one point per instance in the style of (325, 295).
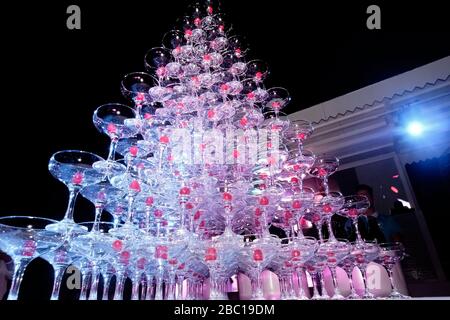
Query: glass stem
(86, 275)
(19, 269)
(367, 293)
(93, 293)
(358, 234)
(71, 205)
(330, 230)
(98, 214)
(315, 282)
(59, 274)
(259, 288)
(112, 149)
(130, 208)
(337, 291)
(120, 285)
(143, 287)
(301, 290)
(106, 283)
(325, 184)
(135, 287)
(391, 279)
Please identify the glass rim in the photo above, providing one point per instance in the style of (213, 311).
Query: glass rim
(25, 217)
(75, 151)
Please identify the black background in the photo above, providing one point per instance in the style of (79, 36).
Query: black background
(54, 78)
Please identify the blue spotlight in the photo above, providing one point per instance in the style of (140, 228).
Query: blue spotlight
(415, 128)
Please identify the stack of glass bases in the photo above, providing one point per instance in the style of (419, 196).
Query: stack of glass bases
(199, 166)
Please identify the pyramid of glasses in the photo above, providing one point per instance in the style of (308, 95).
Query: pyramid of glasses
(200, 164)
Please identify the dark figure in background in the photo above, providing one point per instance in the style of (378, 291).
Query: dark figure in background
(369, 224)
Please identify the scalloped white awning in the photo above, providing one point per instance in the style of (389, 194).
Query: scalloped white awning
(364, 98)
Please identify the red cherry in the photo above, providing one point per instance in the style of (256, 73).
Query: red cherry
(185, 191)
(235, 154)
(141, 263)
(258, 212)
(197, 215)
(332, 260)
(227, 196)
(251, 95)
(238, 52)
(258, 255)
(202, 224)
(188, 33)
(161, 72)
(221, 28)
(111, 128)
(117, 245)
(276, 105)
(316, 217)
(330, 254)
(243, 121)
(161, 252)
(158, 213)
(224, 87)
(181, 266)
(322, 172)
(353, 213)
(149, 201)
(295, 253)
(173, 261)
(211, 114)
(288, 215)
(147, 116)
(259, 75)
(327, 208)
(296, 167)
(125, 255)
(189, 206)
(197, 21)
(296, 204)
(135, 186)
(211, 254)
(134, 151)
(29, 248)
(294, 180)
(210, 10)
(301, 136)
(77, 178)
(207, 57)
(139, 97)
(287, 264)
(264, 201)
(164, 139)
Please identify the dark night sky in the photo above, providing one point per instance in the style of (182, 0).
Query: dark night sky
(55, 78)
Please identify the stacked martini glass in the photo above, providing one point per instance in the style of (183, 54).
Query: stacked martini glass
(201, 163)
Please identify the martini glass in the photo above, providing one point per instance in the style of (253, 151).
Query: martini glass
(353, 207)
(299, 131)
(323, 168)
(135, 87)
(326, 205)
(332, 252)
(302, 250)
(363, 253)
(118, 122)
(299, 162)
(75, 169)
(24, 238)
(391, 254)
